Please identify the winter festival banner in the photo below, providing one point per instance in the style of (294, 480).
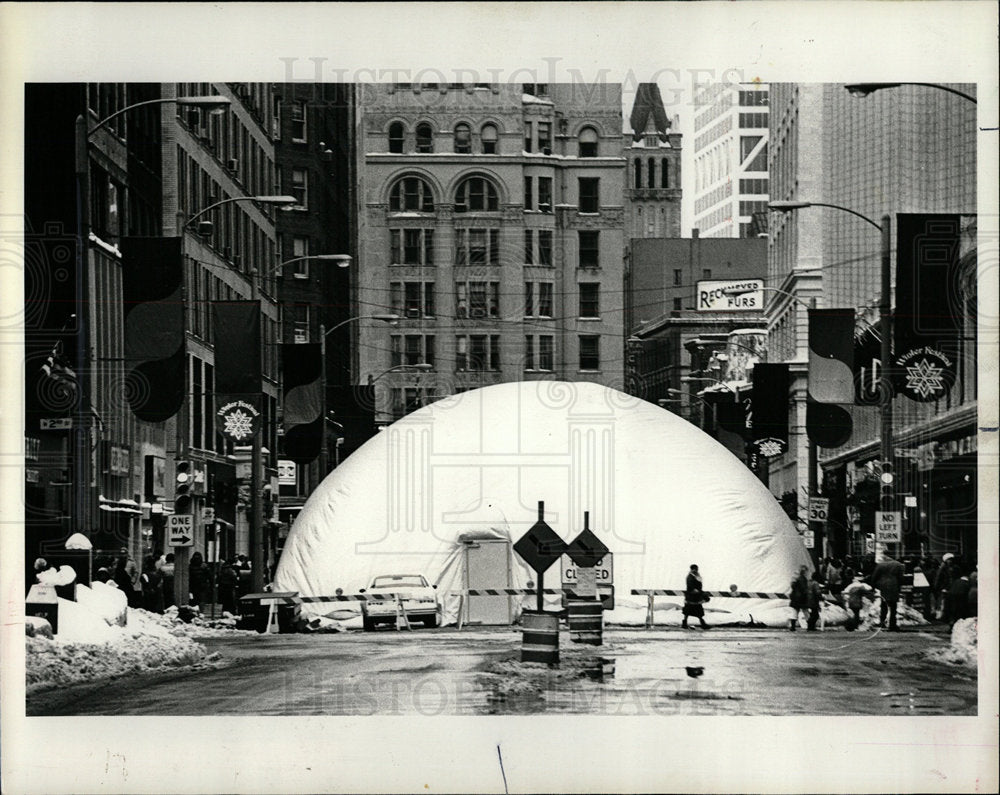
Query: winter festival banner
(770, 408)
(238, 400)
(928, 312)
(153, 311)
(831, 376)
(303, 401)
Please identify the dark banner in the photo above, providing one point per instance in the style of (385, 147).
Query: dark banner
(927, 318)
(153, 312)
(303, 401)
(730, 421)
(831, 376)
(238, 399)
(769, 433)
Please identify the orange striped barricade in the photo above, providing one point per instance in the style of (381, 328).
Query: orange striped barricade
(732, 593)
(540, 637)
(586, 621)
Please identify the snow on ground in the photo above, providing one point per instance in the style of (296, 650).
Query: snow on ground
(964, 648)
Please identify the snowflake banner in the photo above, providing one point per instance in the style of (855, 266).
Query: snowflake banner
(240, 420)
(925, 374)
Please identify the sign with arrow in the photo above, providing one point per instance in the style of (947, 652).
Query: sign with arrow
(540, 547)
(181, 530)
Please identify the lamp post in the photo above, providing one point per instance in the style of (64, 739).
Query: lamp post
(887, 497)
(323, 334)
(421, 367)
(864, 89)
(81, 160)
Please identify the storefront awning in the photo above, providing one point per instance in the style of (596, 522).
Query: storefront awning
(119, 506)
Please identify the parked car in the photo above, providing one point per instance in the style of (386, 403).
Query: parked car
(420, 600)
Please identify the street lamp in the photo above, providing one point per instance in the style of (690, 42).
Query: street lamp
(885, 313)
(864, 89)
(687, 379)
(422, 367)
(205, 227)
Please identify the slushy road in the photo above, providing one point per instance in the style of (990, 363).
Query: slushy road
(477, 672)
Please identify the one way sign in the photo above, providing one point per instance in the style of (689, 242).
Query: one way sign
(181, 527)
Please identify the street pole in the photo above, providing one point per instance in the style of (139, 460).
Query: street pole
(819, 538)
(81, 429)
(255, 525)
(887, 501)
(324, 460)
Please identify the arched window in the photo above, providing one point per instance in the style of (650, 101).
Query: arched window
(651, 175)
(463, 138)
(488, 138)
(588, 142)
(425, 137)
(637, 167)
(396, 137)
(411, 194)
(664, 173)
(476, 194)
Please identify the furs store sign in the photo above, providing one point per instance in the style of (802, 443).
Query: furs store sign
(731, 295)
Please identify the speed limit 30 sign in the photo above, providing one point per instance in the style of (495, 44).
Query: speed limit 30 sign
(819, 509)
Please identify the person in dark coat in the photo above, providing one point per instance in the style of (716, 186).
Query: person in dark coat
(152, 586)
(799, 597)
(887, 579)
(815, 596)
(942, 582)
(974, 593)
(199, 578)
(167, 571)
(958, 598)
(126, 578)
(228, 582)
(694, 599)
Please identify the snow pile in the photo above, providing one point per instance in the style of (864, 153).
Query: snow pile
(78, 541)
(37, 627)
(964, 648)
(104, 600)
(906, 616)
(51, 664)
(193, 625)
(64, 575)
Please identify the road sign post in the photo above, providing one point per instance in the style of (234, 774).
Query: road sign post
(540, 547)
(887, 530)
(181, 528)
(583, 609)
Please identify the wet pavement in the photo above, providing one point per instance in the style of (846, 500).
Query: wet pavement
(478, 672)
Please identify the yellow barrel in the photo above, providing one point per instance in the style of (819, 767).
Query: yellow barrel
(540, 637)
(586, 621)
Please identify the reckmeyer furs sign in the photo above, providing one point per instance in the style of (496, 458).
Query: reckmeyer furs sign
(731, 295)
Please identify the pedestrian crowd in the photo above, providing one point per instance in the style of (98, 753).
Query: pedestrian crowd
(952, 585)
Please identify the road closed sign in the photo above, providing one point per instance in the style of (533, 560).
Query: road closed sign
(604, 571)
(887, 530)
(181, 530)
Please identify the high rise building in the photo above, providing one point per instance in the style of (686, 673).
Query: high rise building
(491, 226)
(730, 158)
(904, 149)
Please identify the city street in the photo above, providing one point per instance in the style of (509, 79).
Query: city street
(477, 672)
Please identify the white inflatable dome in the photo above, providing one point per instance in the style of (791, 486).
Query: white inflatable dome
(661, 494)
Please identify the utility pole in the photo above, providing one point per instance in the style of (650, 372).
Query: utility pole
(887, 500)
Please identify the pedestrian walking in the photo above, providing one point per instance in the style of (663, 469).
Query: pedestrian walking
(856, 593)
(942, 582)
(887, 579)
(694, 598)
(126, 577)
(958, 598)
(835, 579)
(152, 586)
(228, 582)
(198, 578)
(815, 599)
(167, 570)
(799, 597)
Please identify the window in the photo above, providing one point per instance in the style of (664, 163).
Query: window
(588, 142)
(590, 303)
(538, 299)
(590, 352)
(396, 137)
(404, 401)
(677, 277)
(300, 249)
(677, 304)
(412, 299)
(538, 352)
(529, 141)
(488, 139)
(300, 187)
(299, 121)
(651, 173)
(477, 299)
(589, 249)
(637, 173)
(299, 315)
(477, 246)
(664, 173)
(545, 194)
(463, 139)
(544, 130)
(545, 247)
(589, 194)
(411, 194)
(477, 352)
(529, 247)
(535, 89)
(476, 194)
(529, 197)
(410, 349)
(425, 138)
(706, 273)
(412, 246)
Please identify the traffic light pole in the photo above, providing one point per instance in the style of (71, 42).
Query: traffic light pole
(887, 490)
(257, 540)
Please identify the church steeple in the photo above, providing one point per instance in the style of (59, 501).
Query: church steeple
(648, 107)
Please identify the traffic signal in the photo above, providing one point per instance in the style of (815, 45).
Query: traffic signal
(183, 480)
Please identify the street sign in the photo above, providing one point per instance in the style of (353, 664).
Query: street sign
(604, 570)
(181, 529)
(287, 473)
(540, 547)
(819, 509)
(910, 500)
(887, 530)
(55, 424)
(586, 549)
(207, 515)
(809, 539)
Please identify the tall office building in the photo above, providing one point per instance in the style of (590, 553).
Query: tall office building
(903, 149)
(730, 158)
(491, 226)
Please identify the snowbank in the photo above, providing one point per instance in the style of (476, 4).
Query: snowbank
(964, 648)
(104, 600)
